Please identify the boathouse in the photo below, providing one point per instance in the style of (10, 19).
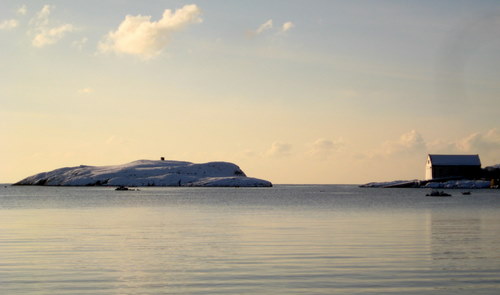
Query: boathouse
(452, 166)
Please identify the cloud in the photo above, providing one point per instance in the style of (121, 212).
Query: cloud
(50, 36)
(44, 33)
(269, 25)
(410, 142)
(22, 10)
(264, 27)
(8, 24)
(323, 148)
(13, 23)
(138, 35)
(485, 142)
(42, 17)
(287, 26)
(279, 149)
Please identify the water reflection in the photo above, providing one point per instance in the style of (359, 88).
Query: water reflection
(456, 239)
(208, 244)
(464, 251)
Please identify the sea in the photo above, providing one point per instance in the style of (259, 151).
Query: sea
(288, 239)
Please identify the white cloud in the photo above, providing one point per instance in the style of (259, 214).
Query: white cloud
(269, 25)
(44, 33)
(410, 142)
(50, 36)
(485, 142)
(22, 10)
(264, 27)
(287, 26)
(8, 24)
(323, 148)
(138, 35)
(42, 17)
(279, 149)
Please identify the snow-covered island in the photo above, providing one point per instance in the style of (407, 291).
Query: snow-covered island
(149, 173)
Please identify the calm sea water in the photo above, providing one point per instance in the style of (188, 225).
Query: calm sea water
(281, 240)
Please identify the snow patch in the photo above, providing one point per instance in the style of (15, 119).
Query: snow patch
(467, 184)
(384, 184)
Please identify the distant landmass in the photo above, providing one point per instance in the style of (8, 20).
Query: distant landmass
(459, 183)
(149, 173)
(488, 177)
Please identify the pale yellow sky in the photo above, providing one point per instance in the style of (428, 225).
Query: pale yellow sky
(335, 92)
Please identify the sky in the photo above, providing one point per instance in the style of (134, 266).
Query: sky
(295, 92)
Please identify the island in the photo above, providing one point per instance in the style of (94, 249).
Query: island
(149, 173)
(435, 184)
(450, 171)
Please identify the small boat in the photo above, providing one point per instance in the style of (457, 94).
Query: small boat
(436, 193)
(465, 193)
(123, 188)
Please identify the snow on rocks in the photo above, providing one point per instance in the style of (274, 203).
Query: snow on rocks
(385, 183)
(461, 184)
(466, 184)
(148, 173)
